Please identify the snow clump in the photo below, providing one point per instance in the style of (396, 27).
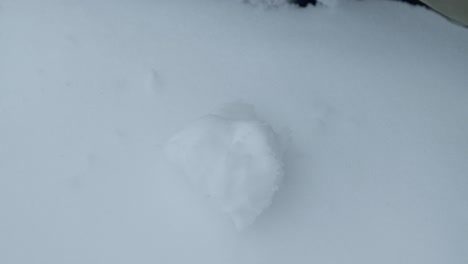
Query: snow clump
(233, 159)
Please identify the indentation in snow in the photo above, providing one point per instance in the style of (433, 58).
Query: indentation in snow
(155, 82)
(232, 158)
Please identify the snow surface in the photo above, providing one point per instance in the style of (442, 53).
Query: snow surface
(330, 3)
(373, 96)
(266, 3)
(233, 158)
(283, 3)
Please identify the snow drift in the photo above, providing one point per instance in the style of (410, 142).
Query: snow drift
(232, 158)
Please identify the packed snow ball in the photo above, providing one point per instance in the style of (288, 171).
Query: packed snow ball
(233, 159)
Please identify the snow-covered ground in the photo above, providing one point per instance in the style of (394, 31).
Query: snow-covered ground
(370, 98)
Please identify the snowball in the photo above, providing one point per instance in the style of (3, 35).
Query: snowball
(233, 159)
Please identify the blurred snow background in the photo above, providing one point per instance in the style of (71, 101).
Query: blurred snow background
(373, 96)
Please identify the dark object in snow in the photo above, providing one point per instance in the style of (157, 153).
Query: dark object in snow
(454, 10)
(413, 2)
(303, 3)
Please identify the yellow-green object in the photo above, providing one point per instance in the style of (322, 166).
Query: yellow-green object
(456, 10)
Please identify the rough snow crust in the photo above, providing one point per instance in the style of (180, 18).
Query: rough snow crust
(235, 161)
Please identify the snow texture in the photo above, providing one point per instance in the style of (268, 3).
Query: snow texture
(330, 3)
(233, 159)
(266, 3)
(372, 96)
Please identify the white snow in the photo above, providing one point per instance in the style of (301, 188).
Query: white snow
(330, 3)
(372, 96)
(233, 159)
(266, 3)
